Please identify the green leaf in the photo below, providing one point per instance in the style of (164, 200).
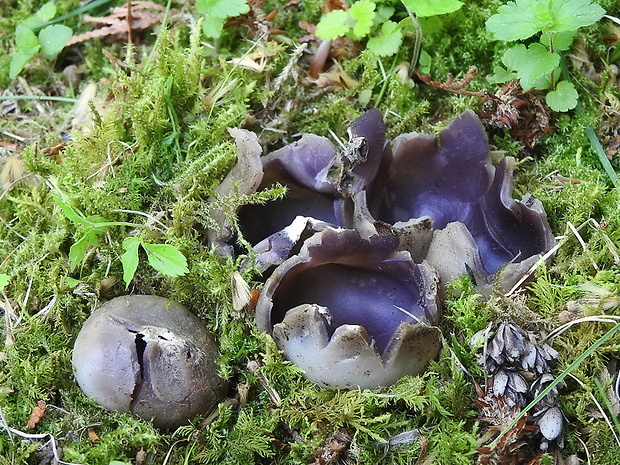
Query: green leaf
(25, 39)
(531, 64)
(70, 212)
(129, 258)
(19, 59)
(333, 25)
(53, 39)
(424, 62)
(212, 26)
(363, 12)
(563, 98)
(516, 20)
(166, 259)
(222, 8)
(500, 75)
(524, 18)
(4, 280)
(78, 250)
(383, 14)
(72, 283)
(388, 42)
(43, 15)
(46, 12)
(570, 15)
(559, 41)
(424, 8)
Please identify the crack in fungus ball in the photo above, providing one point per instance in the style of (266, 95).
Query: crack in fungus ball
(150, 356)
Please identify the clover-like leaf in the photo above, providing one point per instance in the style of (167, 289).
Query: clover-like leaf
(388, 42)
(333, 25)
(53, 39)
(363, 12)
(563, 98)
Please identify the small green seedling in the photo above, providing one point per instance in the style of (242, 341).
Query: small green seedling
(50, 41)
(216, 12)
(164, 258)
(537, 65)
(367, 16)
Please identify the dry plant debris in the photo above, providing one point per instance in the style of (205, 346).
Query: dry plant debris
(518, 368)
(135, 16)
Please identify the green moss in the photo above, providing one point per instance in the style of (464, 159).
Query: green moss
(162, 147)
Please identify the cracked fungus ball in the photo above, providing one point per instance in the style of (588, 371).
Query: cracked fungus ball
(150, 356)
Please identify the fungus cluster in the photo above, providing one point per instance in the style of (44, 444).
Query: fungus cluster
(354, 255)
(358, 250)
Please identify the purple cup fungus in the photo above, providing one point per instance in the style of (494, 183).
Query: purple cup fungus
(352, 311)
(480, 227)
(149, 356)
(319, 179)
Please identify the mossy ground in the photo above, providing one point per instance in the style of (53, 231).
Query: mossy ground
(158, 147)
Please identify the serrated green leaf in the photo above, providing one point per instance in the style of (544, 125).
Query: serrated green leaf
(222, 8)
(78, 250)
(560, 41)
(333, 25)
(501, 75)
(4, 280)
(166, 259)
(570, 15)
(388, 42)
(363, 13)
(129, 258)
(515, 21)
(19, 59)
(531, 63)
(424, 8)
(212, 26)
(53, 39)
(563, 98)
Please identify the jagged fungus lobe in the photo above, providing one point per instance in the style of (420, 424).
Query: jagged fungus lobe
(313, 172)
(451, 179)
(149, 356)
(352, 311)
(351, 307)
